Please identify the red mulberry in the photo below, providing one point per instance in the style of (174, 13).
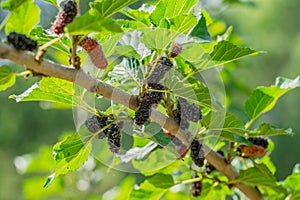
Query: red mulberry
(65, 16)
(176, 50)
(95, 52)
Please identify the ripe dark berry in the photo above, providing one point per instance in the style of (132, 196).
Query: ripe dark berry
(95, 124)
(65, 16)
(21, 42)
(141, 116)
(196, 187)
(209, 167)
(114, 138)
(261, 141)
(160, 69)
(95, 52)
(197, 153)
(176, 50)
(154, 97)
(190, 112)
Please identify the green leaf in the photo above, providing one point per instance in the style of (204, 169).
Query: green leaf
(167, 9)
(42, 37)
(183, 23)
(200, 31)
(219, 122)
(109, 7)
(90, 22)
(225, 52)
(293, 184)
(144, 194)
(71, 153)
(158, 40)
(266, 129)
(214, 191)
(163, 181)
(7, 78)
(138, 153)
(140, 16)
(12, 4)
(51, 90)
(23, 18)
(259, 175)
(263, 99)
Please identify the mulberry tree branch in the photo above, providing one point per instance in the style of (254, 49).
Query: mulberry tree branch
(94, 85)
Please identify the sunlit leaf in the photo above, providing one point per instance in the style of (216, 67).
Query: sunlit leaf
(90, 22)
(266, 129)
(259, 175)
(23, 18)
(51, 90)
(170, 9)
(109, 7)
(12, 4)
(183, 23)
(7, 78)
(263, 99)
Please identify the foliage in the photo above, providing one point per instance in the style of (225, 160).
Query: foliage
(131, 46)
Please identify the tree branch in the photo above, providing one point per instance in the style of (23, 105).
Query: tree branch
(94, 85)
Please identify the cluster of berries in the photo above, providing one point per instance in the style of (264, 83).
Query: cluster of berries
(258, 149)
(105, 128)
(149, 98)
(159, 70)
(185, 112)
(196, 187)
(21, 42)
(65, 16)
(95, 52)
(197, 153)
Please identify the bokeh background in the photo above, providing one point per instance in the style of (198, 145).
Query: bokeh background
(267, 25)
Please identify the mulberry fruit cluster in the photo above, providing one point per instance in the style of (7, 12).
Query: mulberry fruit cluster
(143, 113)
(209, 167)
(65, 16)
(160, 69)
(176, 50)
(149, 98)
(95, 52)
(111, 131)
(197, 153)
(185, 112)
(21, 42)
(196, 187)
(260, 141)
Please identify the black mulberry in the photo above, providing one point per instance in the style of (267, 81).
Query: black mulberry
(190, 112)
(95, 124)
(197, 153)
(152, 96)
(65, 16)
(114, 138)
(160, 69)
(196, 187)
(21, 42)
(260, 141)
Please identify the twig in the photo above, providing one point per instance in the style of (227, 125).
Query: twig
(92, 84)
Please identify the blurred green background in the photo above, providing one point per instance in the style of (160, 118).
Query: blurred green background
(268, 25)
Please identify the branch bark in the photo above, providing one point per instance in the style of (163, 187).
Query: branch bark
(94, 85)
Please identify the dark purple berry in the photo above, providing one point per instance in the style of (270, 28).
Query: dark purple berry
(260, 141)
(197, 153)
(190, 112)
(114, 137)
(152, 96)
(95, 124)
(196, 187)
(21, 42)
(160, 69)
